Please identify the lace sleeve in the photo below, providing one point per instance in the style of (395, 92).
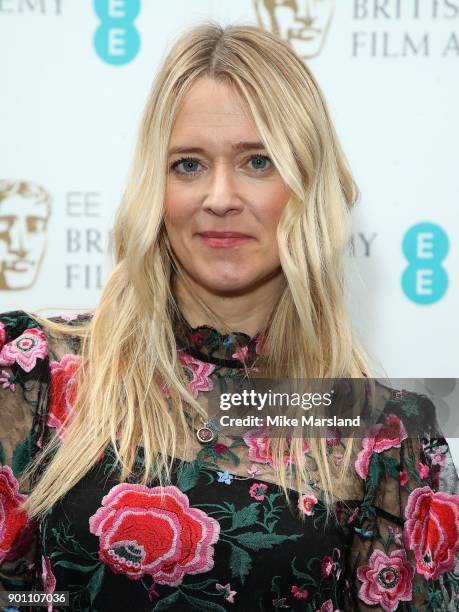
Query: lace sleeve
(23, 389)
(405, 541)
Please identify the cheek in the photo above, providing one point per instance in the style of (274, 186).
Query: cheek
(177, 211)
(271, 207)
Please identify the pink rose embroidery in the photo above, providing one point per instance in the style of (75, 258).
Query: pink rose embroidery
(229, 594)
(25, 349)
(197, 372)
(387, 580)
(6, 380)
(326, 566)
(299, 593)
(48, 578)
(423, 470)
(438, 458)
(327, 606)
(403, 477)
(258, 490)
(241, 353)
(260, 449)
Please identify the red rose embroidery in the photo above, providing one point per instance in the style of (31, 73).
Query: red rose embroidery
(432, 530)
(62, 391)
(386, 435)
(306, 503)
(141, 534)
(387, 580)
(15, 531)
(3, 336)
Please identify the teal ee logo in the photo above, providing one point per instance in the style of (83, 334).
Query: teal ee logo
(116, 40)
(425, 246)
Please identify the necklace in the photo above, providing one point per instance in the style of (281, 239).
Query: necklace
(208, 432)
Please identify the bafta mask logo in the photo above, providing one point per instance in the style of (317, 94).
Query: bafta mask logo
(303, 23)
(25, 208)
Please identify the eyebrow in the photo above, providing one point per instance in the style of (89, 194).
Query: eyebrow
(239, 146)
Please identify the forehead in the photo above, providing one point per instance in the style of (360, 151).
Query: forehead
(211, 105)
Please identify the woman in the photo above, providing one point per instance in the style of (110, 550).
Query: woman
(228, 245)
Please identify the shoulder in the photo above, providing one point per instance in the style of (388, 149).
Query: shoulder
(396, 422)
(39, 359)
(414, 412)
(13, 323)
(22, 341)
(27, 341)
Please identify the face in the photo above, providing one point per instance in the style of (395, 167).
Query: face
(222, 183)
(23, 223)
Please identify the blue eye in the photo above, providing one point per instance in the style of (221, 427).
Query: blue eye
(190, 164)
(262, 158)
(188, 161)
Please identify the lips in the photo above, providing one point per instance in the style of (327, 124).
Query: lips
(214, 234)
(224, 240)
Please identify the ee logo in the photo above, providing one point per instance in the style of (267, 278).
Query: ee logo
(425, 246)
(117, 40)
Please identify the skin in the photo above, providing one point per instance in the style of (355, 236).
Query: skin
(224, 189)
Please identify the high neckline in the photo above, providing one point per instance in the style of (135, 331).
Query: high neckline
(208, 344)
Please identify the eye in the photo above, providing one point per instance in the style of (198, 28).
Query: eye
(260, 158)
(189, 162)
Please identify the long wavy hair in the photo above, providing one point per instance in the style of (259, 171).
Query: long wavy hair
(128, 347)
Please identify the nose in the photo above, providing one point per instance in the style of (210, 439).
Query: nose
(222, 197)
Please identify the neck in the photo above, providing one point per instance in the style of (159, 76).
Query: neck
(246, 312)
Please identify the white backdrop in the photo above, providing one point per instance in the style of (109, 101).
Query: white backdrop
(75, 77)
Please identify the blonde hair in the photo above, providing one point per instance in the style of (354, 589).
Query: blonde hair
(128, 347)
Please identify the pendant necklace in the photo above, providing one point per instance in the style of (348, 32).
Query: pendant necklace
(208, 432)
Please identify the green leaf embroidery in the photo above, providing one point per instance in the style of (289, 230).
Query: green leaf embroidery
(392, 466)
(410, 406)
(234, 458)
(76, 566)
(166, 602)
(188, 475)
(240, 563)
(22, 455)
(246, 516)
(375, 470)
(96, 582)
(200, 585)
(258, 540)
(202, 604)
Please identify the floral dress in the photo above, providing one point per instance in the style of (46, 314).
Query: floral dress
(223, 538)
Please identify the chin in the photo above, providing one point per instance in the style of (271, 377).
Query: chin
(226, 285)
